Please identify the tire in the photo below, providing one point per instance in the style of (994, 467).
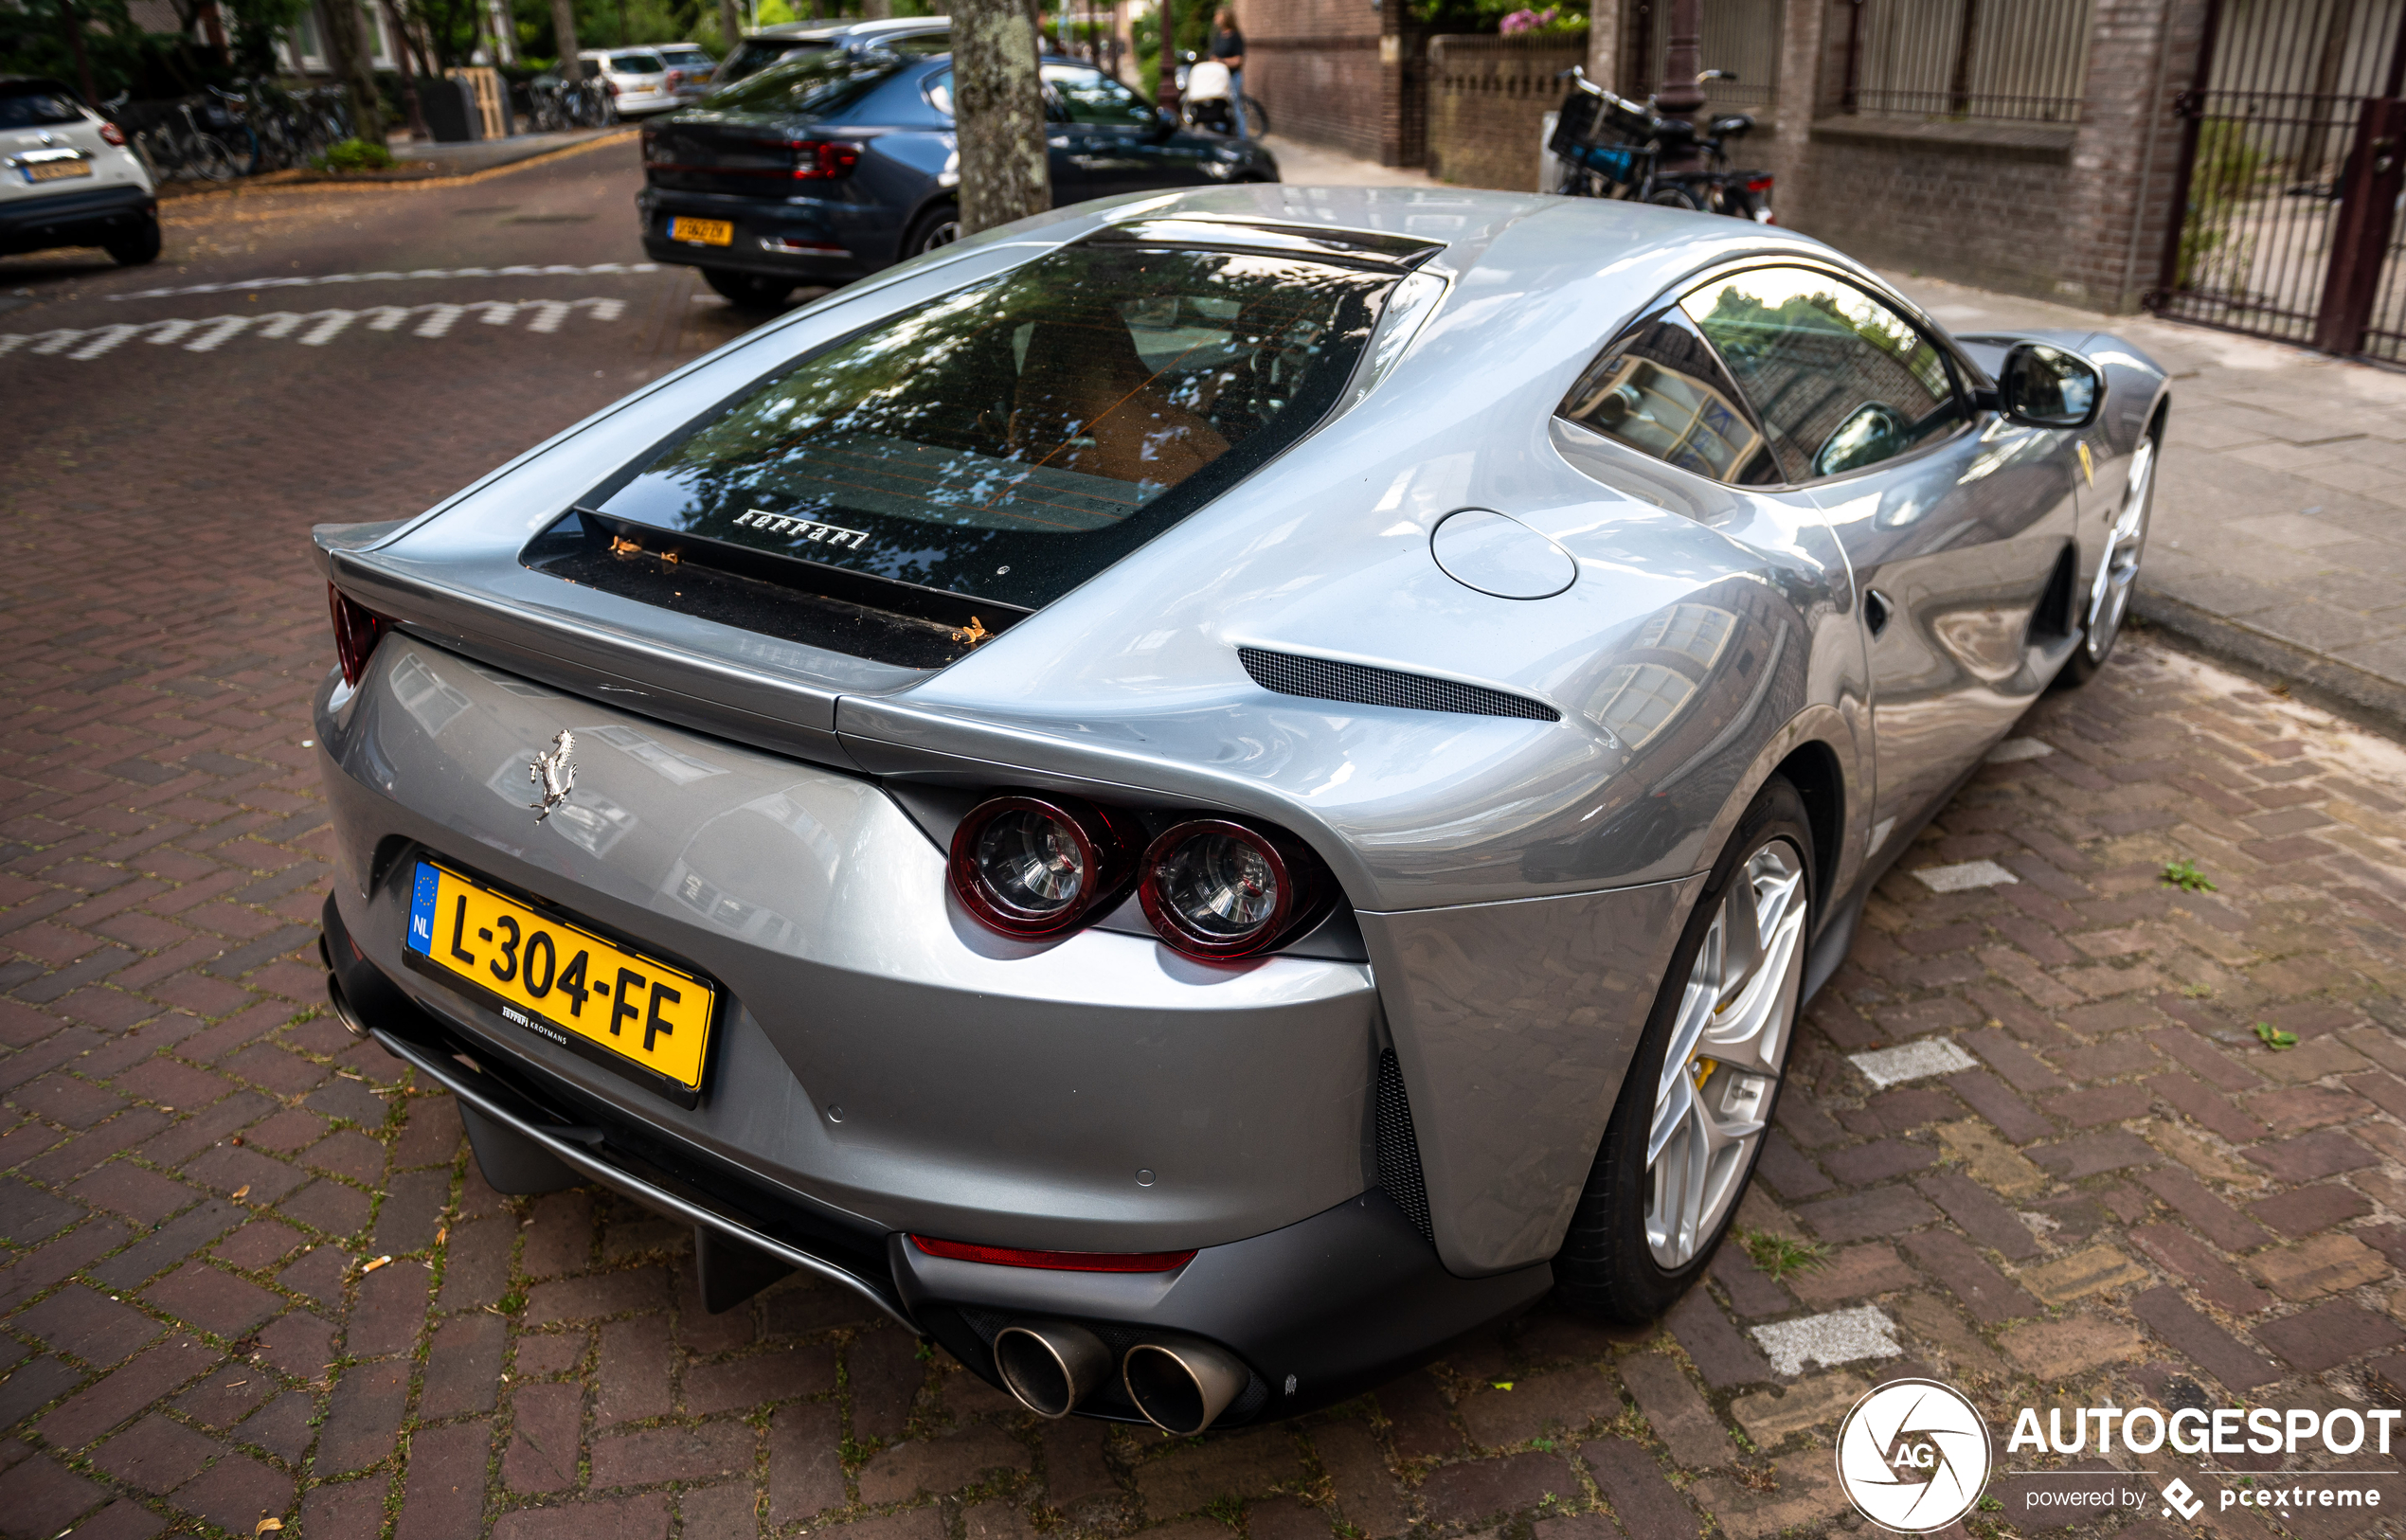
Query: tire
(2107, 603)
(211, 159)
(1257, 117)
(939, 226)
(137, 249)
(1621, 1260)
(1674, 197)
(748, 291)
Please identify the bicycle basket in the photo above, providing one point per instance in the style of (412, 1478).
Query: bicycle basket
(1590, 119)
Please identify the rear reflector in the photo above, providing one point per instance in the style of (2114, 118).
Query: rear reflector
(1060, 1261)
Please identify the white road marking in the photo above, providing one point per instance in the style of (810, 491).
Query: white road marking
(2014, 750)
(1930, 1056)
(312, 329)
(1841, 1337)
(1964, 876)
(297, 281)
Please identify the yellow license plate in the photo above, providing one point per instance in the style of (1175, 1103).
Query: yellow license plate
(702, 232)
(57, 170)
(563, 983)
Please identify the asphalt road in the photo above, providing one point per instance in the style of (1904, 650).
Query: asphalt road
(351, 351)
(2059, 1133)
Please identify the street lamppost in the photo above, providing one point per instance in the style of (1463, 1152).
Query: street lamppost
(1678, 95)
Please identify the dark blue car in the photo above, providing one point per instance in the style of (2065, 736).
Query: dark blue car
(838, 163)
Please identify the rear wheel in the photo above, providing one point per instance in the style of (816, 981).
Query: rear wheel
(2107, 603)
(748, 291)
(1257, 117)
(1684, 1136)
(1674, 197)
(138, 247)
(939, 226)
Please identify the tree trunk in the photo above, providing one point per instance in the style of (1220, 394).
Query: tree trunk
(998, 115)
(876, 10)
(354, 62)
(74, 24)
(409, 73)
(1166, 89)
(564, 31)
(731, 24)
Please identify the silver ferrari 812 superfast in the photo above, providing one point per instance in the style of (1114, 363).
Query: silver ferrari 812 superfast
(1201, 793)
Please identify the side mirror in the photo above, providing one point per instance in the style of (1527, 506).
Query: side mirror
(2047, 388)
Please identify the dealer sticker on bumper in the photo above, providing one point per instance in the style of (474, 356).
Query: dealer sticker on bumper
(562, 982)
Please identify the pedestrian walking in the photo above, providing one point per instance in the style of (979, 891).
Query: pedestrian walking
(1228, 48)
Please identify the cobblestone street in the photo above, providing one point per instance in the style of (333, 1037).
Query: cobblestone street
(2062, 1134)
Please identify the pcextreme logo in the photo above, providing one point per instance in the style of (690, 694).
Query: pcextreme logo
(1912, 1456)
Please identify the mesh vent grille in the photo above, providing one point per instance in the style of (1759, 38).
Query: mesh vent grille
(1399, 1150)
(1360, 685)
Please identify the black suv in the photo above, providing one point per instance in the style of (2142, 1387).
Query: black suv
(837, 163)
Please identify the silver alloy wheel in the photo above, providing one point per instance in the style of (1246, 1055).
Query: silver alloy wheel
(1728, 1048)
(2110, 597)
(943, 234)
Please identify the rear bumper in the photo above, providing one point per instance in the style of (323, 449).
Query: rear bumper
(86, 217)
(1320, 1311)
(801, 240)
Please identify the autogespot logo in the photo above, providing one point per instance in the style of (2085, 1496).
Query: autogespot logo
(1913, 1456)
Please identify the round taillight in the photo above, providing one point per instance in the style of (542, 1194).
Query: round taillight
(1216, 888)
(114, 135)
(1036, 866)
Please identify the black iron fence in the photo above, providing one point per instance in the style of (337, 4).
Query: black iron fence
(2289, 177)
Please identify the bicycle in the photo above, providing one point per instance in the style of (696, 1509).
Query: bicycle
(1615, 148)
(174, 144)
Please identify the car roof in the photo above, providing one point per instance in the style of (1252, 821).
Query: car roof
(812, 32)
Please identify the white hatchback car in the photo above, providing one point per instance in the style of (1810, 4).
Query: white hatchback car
(639, 78)
(690, 67)
(67, 179)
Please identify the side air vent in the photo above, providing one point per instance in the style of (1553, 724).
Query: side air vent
(1399, 1148)
(1322, 679)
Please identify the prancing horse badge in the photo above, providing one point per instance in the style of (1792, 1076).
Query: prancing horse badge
(554, 775)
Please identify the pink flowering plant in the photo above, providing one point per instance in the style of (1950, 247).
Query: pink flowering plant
(1552, 19)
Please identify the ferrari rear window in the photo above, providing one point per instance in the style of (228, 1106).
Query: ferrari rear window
(1011, 440)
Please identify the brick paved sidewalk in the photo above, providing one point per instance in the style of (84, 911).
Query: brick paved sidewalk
(2104, 1189)
(2125, 1200)
(2280, 525)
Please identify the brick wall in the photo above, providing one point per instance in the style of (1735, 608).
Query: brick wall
(1488, 101)
(2072, 213)
(1328, 74)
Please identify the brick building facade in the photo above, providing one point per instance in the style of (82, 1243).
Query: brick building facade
(2068, 200)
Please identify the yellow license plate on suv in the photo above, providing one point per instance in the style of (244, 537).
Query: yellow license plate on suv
(559, 982)
(702, 232)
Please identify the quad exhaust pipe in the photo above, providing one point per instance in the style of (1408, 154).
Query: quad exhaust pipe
(1051, 1365)
(1180, 1385)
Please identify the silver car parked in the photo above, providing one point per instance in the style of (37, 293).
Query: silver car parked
(1200, 794)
